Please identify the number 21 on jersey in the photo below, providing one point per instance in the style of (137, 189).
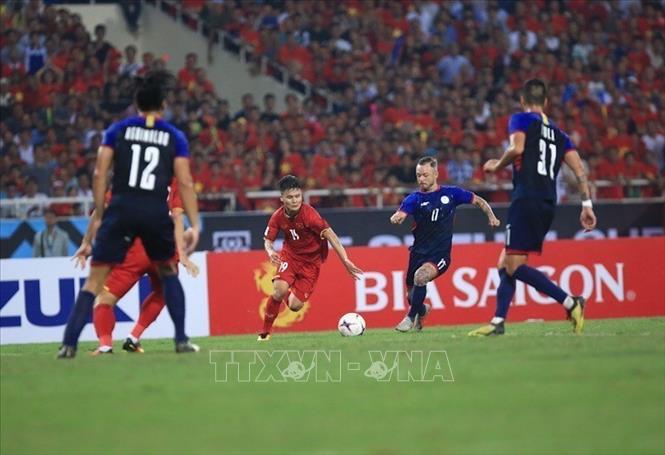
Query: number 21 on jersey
(547, 133)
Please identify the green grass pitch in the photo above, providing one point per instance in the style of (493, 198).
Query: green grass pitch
(538, 389)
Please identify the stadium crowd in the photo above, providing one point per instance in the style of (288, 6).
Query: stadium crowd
(408, 78)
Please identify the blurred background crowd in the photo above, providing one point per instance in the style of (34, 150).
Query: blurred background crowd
(408, 78)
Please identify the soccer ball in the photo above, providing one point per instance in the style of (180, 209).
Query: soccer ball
(351, 325)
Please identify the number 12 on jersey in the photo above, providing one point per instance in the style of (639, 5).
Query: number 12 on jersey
(542, 166)
(151, 156)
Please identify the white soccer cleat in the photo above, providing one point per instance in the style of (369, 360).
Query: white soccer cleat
(405, 325)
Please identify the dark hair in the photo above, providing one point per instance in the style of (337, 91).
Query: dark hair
(150, 90)
(288, 182)
(427, 160)
(534, 92)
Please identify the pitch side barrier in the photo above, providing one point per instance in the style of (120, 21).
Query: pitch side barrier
(231, 293)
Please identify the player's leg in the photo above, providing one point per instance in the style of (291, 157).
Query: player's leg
(155, 228)
(151, 307)
(110, 248)
(103, 318)
(504, 295)
(119, 282)
(282, 281)
(82, 308)
(539, 216)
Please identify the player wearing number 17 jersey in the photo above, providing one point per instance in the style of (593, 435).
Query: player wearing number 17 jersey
(537, 150)
(145, 153)
(433, 210)
(306, 237)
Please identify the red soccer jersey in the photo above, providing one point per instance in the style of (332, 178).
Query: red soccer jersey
(302, 234)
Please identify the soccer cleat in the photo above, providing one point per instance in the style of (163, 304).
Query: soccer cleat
(576, 314)
(66, 352)
(418, 322)
(488, 330)
(185, 347)
(405, 325)
(265, 336)
(99, 351)
(130, 346)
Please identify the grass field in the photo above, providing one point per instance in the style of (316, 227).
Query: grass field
(538, 389)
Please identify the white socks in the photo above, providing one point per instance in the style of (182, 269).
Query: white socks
(496, 320)
(568, 303)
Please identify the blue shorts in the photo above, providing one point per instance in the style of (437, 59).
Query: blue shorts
(440, 261)
(529, 220)
(126, 219)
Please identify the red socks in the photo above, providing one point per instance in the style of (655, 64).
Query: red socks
(152, 306)
(104, 321)
(272, 310)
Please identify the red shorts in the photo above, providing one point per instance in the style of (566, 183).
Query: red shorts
(125, 275)
(301, 276)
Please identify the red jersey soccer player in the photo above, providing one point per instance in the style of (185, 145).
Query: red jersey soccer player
(124, 276)
(306, 237)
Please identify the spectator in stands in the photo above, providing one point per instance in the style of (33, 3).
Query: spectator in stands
(269, 114)
(130, 67)
(31, 192)
(52, 241)
(131, 11)
(460, 169)
(247, 104)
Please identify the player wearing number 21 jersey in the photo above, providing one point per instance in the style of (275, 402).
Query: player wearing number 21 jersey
(306, 237)
(433, 210)
(537, 150)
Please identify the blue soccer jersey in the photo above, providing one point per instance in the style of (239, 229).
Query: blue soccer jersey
(143, 154)
(434, 213)
(535, 171)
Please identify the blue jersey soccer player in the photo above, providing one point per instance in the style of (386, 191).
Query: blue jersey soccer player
(145, 152)
(433, 210)
(537, 150)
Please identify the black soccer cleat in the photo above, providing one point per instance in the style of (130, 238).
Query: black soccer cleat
(66, 352)
(185, 347)
(130, 346)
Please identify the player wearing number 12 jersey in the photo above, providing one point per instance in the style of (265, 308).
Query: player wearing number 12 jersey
(537, 150)
(306, 237)
(433, 210)
(145, 153)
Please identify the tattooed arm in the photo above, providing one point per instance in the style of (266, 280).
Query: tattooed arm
(587, 217)
(485, 207)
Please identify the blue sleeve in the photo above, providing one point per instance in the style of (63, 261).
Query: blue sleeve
(409, 204)
(110, 134)
(461, 196)
(181, 146)
(518, 122)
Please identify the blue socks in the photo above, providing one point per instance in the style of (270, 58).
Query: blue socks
(78, 318)
(175, 302)
(417, 300)
(504, 294)
(540, 282)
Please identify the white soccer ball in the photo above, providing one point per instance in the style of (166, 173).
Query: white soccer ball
(351, 325)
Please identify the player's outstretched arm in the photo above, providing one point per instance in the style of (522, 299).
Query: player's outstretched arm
(398, 217)
(183, 255)
(188, 196)
(85, 249)
(515, 149)
(587, 217)
(483, 205)
(350, 267)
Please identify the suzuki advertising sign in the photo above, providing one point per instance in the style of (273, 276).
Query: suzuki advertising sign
(37, 295)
